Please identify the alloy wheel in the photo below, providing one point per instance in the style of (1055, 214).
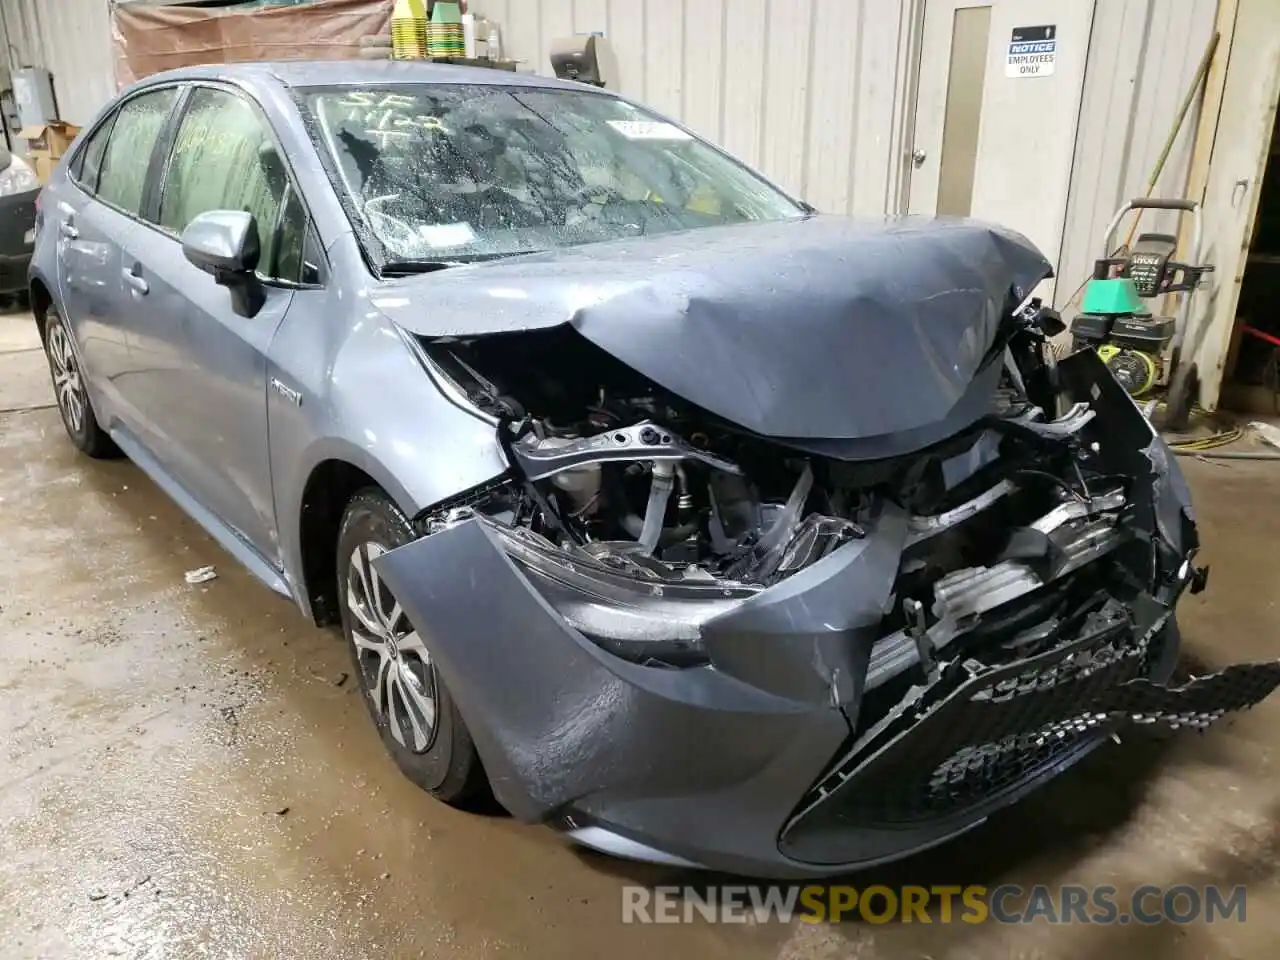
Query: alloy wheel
(67, 385)
(399, 677)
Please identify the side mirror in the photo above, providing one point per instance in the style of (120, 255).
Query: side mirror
(225, 244)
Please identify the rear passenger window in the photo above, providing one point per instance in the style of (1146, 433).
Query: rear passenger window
(225, 159)
(122, 179)
(88, 163)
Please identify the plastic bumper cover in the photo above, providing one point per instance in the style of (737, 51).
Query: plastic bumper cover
(749, 763)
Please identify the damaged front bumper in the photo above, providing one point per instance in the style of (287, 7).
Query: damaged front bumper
(803, 739)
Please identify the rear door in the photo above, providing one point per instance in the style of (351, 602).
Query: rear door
(206, 396)
(95, 219)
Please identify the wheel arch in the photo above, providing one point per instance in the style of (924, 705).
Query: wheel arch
(330, 486)
(41, 302)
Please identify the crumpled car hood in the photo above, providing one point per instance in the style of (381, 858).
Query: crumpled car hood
(822, 327)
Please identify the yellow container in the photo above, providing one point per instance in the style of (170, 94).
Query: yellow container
(409, 30)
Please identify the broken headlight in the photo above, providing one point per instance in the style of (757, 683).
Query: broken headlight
(628, 604)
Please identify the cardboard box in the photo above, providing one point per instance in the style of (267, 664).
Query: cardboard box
(46, 144)
(43, 166)
(51, 139)
(150, 37)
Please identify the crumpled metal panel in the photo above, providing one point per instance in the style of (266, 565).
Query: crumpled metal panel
(809, 328)
(810, 636)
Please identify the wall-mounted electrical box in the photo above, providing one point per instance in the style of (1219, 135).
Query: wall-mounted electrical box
(33, 95)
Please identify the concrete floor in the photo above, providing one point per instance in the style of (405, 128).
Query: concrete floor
(185, 773)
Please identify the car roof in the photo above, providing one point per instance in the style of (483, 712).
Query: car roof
(318, 73)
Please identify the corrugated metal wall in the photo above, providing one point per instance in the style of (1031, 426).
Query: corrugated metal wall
(1141, 61)
(809, 91)
(71, 38)
(812, 92)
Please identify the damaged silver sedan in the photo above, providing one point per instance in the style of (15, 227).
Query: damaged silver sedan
(706, 529)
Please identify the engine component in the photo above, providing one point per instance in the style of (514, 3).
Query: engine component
(816, 537)
(965, 594)
(1078, 510)
(540, 459)
(731, 514)
(664, 478)
(922, 528)
(919, 634)
(580, 483)
(1069, 424)
(962, 596)
(765, 557)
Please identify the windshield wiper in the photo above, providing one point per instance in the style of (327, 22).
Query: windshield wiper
(407, 268)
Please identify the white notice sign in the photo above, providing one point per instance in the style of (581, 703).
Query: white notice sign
(648, 130)
(1032, 51)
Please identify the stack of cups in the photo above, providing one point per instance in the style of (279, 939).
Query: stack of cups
(445, 38)
(409, 30)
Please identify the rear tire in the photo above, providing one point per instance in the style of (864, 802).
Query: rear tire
(410, 705)
(69, 390)
(1183, 386)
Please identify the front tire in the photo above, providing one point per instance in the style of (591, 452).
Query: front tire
(416, 717)
(70, 392)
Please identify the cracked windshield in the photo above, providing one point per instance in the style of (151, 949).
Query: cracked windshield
(458, 173)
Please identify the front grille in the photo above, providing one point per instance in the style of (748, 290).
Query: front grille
(994, 731)
(968, 742)
(975, 773)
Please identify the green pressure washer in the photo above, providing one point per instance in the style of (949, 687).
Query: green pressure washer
(1142, 349)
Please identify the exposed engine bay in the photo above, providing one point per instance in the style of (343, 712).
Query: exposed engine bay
(617, 482)
(805, 555)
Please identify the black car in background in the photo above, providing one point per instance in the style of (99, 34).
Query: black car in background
(18, 191)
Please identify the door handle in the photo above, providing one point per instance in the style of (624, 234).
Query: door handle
(135, 282)
(68, 230)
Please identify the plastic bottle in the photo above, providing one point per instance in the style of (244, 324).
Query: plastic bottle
(469, 35)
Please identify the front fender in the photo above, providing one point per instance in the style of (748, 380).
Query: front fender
(359, 394)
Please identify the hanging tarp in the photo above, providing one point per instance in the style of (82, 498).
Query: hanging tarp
(150, 38)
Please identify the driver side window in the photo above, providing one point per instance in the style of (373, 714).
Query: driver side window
(224, 158)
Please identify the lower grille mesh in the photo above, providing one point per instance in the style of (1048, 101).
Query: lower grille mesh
(997, 730)
(993, 733)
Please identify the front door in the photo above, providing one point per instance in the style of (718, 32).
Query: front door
(207, 389)
(997, 104)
